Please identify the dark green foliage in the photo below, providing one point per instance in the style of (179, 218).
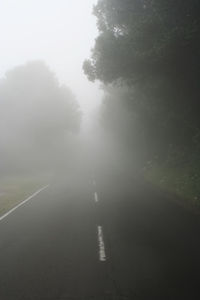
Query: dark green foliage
(144, 38)
(147, 55)
(153, 47)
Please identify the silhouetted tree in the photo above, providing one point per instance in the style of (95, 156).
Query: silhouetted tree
(37, 115)
(152, 47)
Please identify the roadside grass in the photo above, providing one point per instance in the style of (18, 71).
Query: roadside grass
(182, 182)
(14, 190)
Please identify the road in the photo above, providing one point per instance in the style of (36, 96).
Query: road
(99, 236)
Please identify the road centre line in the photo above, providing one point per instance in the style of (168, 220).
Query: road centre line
(96, 198)
(102, 252)
(23, 202)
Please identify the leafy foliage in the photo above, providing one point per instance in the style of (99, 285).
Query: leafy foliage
(152, 47)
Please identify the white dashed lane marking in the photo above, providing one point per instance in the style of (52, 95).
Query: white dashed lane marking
(102, 252)
(96, 198)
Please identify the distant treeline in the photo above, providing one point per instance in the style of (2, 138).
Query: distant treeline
(147, 55)
(38, 117)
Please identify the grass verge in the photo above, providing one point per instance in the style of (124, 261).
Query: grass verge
(181, 182)
(14, 190)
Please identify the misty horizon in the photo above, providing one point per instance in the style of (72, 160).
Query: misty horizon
(60, 33)
(99, 150)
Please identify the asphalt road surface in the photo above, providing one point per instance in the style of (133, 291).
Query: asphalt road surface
(99, 236)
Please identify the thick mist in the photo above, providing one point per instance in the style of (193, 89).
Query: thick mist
(99, 149)
(44, 130)
(60, 33)
(50, 112)
(39, 118)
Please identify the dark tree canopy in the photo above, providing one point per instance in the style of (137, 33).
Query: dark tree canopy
(143, 38)
(153, 47)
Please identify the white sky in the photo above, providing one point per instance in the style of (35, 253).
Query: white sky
(60, 32)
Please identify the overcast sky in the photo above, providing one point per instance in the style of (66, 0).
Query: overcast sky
(60, 32)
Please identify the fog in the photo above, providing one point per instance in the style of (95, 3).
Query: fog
(99, 149)
(61, 33)
(51, 115)
(47, 104)
(76, 72)
(43, 128)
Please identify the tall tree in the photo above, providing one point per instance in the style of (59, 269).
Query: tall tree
(153, 46)
(37, 115)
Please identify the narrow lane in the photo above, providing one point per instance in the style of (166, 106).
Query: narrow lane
(49, 247)
(133, 243)
(153, 243)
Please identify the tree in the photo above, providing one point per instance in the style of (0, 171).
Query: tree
(153, 47)
(37, 115)
(138, 37)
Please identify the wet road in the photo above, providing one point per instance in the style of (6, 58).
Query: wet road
(99, 237)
